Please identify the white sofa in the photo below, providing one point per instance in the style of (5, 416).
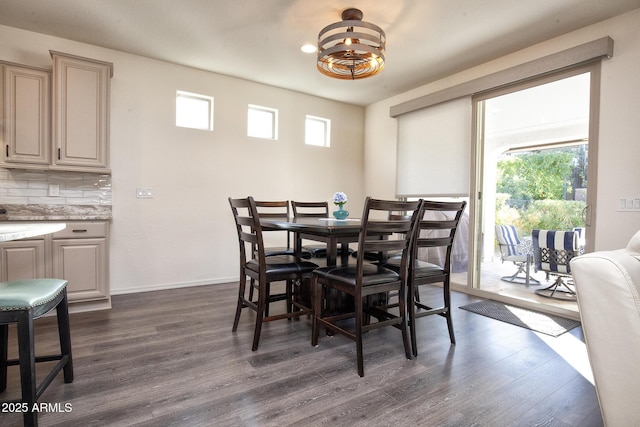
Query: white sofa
(608, 288)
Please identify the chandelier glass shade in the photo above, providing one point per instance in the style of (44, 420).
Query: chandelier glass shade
(351, 49)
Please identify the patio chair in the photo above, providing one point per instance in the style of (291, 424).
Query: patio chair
(553, 250)
(512, 249)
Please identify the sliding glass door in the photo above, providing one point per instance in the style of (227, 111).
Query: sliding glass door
(535, 147)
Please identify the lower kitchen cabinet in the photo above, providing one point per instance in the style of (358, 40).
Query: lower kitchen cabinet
(78, 254)
(22, 259)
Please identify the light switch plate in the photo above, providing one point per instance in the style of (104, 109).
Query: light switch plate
(629, 204)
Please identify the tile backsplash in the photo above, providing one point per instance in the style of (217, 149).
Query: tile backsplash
(29, 187)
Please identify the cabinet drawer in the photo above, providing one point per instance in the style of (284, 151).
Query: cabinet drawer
(82, 230)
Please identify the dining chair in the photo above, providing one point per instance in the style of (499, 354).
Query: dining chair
(264, 270)
(511, 249)
(21, 302)
(277, 209)
(313, 210)
(436, 232)
(553, 251)
(365, 279)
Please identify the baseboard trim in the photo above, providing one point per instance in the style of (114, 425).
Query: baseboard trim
(165, 286)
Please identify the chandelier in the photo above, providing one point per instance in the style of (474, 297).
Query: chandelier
(351, 49)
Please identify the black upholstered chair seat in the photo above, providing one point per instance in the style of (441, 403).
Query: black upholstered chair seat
(371, 274)
(320, 251)
(420, 268)
(278, 251)
(282, 265)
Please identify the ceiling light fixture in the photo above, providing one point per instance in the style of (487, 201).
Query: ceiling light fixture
(351, 49)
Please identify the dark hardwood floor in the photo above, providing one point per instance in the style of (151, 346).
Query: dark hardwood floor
(168, 358)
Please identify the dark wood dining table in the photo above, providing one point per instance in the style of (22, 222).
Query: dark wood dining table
(333, 232)
(328, 230)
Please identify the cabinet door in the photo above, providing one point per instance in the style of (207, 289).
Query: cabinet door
(83, 263)
(80, 112)
(26, 116)
(22, 259)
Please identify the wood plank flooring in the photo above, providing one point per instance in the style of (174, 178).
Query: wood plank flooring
(169, 358)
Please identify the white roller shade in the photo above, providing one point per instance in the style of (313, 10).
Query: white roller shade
(434, 150)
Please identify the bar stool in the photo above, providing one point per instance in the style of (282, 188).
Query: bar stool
(22, 301)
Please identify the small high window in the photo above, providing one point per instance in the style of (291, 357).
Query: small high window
(194, 110)
(317, 131)
(262, 122)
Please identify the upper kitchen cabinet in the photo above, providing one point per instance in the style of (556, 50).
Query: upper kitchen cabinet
(25, 111)
(81, 91)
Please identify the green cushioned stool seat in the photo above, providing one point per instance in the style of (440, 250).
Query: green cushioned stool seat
(26, 294)
(22, 301)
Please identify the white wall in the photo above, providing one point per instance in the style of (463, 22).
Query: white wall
(619, 140)
(185, 234)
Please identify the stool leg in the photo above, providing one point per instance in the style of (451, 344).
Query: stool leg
(26, 349)
(64, 331)
(4, 343)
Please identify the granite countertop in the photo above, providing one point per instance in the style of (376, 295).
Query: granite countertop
(55, 212)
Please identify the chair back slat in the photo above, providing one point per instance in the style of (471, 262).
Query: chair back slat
(434, 242)
(248, 237)
(437, 225)
(273, 209)
(310, 209)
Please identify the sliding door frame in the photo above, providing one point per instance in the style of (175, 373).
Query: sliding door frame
(477, 156)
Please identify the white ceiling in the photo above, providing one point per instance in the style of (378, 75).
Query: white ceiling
(260, 40)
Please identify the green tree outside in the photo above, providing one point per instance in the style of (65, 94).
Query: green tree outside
(533, 189)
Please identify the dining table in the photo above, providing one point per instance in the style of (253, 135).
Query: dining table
(331, 231)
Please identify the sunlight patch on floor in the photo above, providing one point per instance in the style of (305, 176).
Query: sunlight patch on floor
(572, 350)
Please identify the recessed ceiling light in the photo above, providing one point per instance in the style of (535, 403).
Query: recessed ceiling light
(308, 48)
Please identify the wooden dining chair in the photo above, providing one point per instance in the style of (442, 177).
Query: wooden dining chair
(365, 280)
(264, 270)
(436, 232)
(278, 209)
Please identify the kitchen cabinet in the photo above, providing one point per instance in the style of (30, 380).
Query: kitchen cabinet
(26, 112)
(78, 254)
(81, 256)
(81, 92)
(56, 120)
(22, 259)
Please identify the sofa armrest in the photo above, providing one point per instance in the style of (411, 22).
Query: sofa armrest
(607, 285)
